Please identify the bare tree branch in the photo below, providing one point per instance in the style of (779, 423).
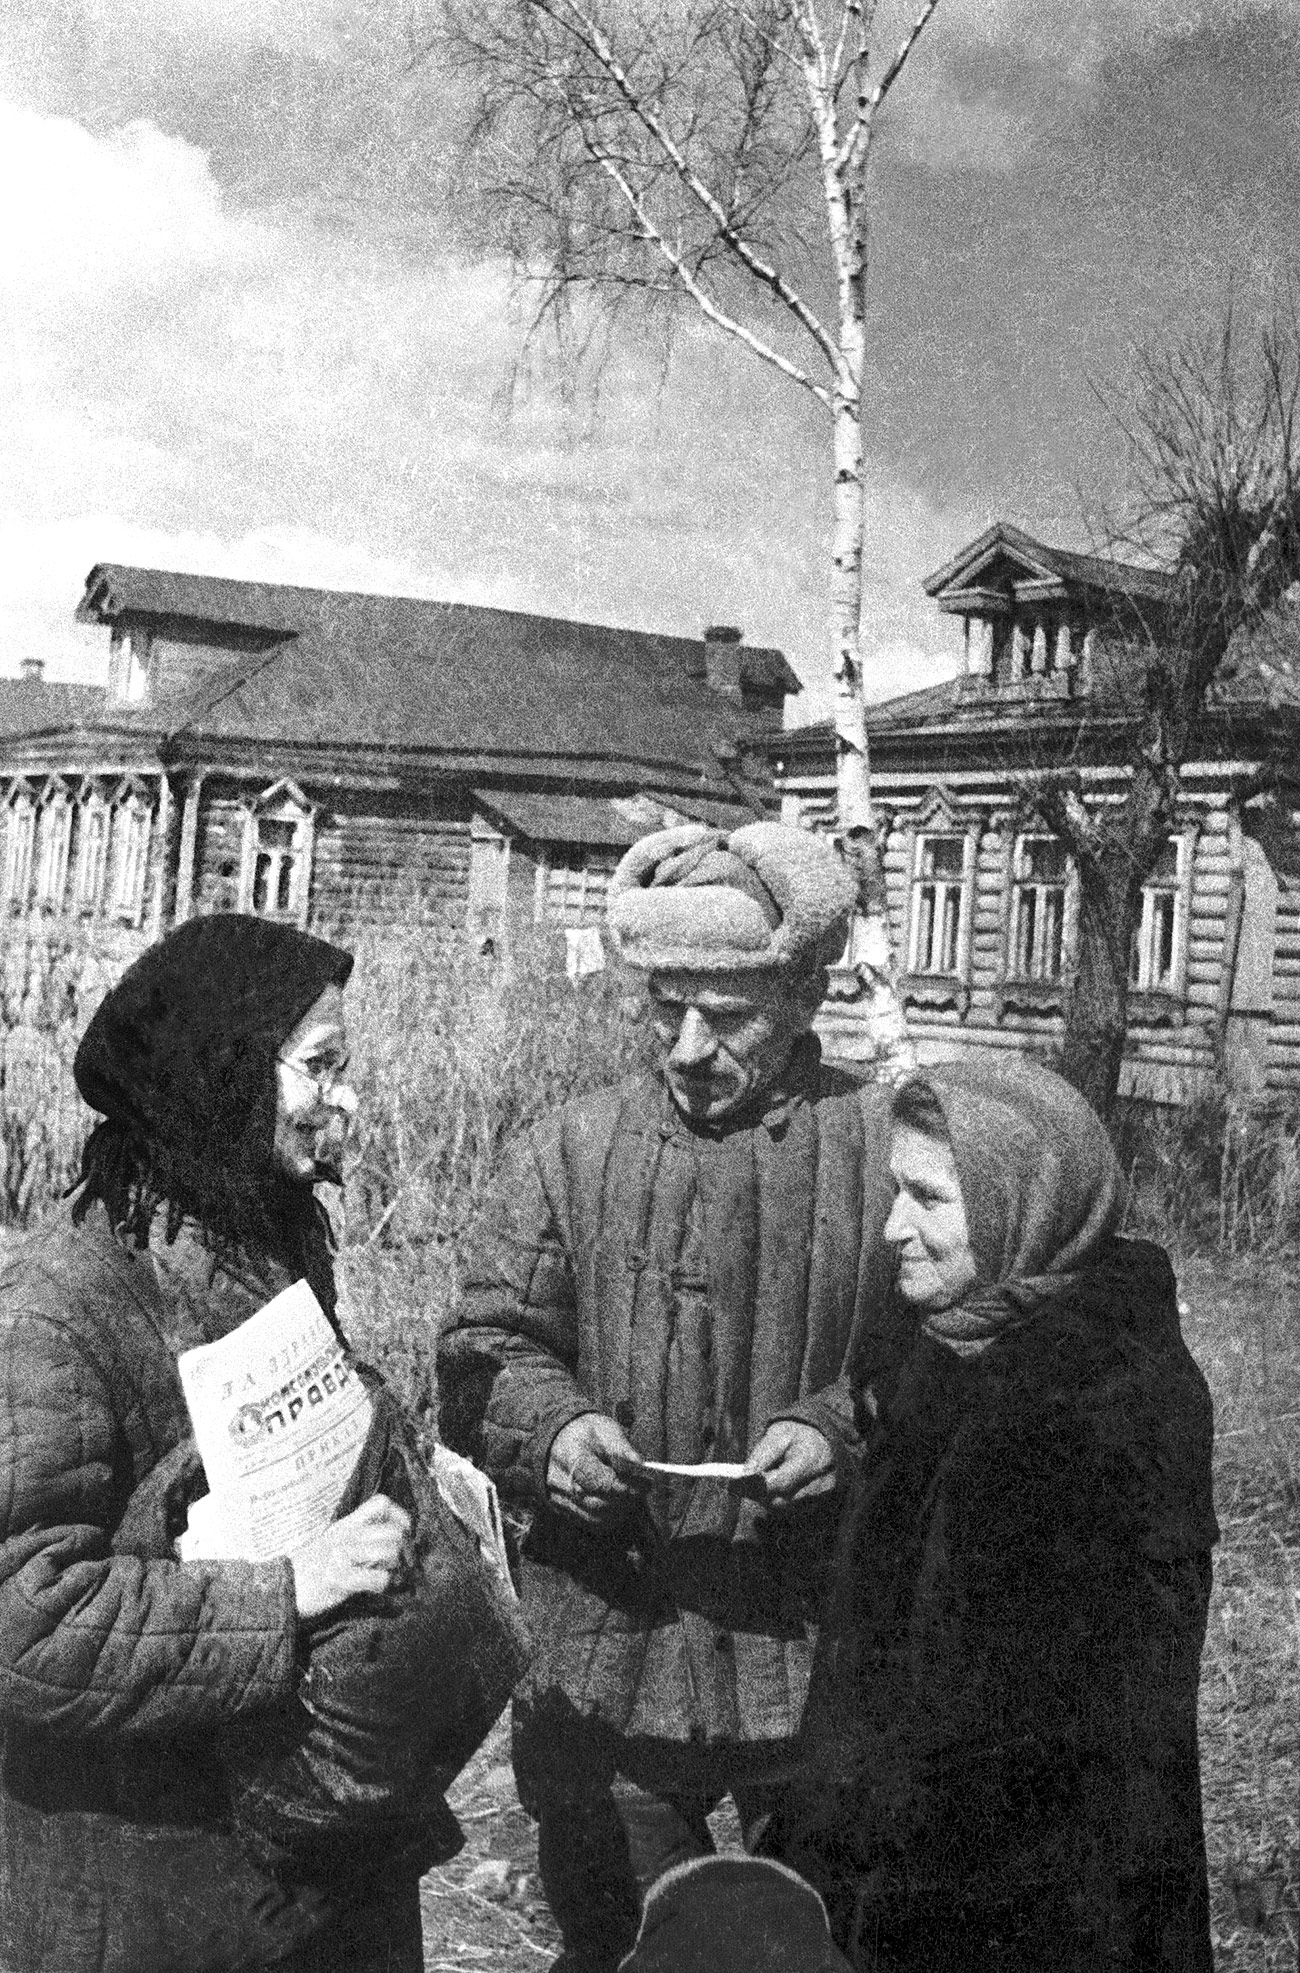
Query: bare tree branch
(856, 142)
(701, 297)
(564, 14)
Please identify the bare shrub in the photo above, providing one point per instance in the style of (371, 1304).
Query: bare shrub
(453, 1054)
(1220, 1174)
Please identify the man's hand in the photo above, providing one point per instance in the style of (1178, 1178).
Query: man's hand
(794, 1461)
(593, 1468)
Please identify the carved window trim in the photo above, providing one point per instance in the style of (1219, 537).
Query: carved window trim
(267, 862)
(53, 845)
(941, 815)
(1031, 993)
(1158, 995)
(129, 842)
(92, 849)
(20, 846)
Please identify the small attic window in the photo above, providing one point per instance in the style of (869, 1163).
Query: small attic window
(130, 667)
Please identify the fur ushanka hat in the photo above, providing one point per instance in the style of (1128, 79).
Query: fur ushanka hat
(766, 897)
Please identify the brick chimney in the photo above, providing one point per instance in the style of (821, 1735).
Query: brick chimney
(33, 668)
(722, 660)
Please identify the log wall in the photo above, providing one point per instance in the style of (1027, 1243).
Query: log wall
(1174, 1039)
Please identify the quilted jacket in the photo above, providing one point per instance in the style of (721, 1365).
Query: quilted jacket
(116, 1669)
(695, 1286)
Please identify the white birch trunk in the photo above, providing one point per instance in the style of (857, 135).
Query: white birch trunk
(871, 953)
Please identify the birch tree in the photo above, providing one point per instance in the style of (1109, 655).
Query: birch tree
(715, 155)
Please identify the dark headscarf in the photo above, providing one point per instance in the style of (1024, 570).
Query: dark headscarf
(1041, 1186)
(180, 1060)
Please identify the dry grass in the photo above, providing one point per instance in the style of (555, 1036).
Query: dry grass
(454, 1054)
(1242, 1324)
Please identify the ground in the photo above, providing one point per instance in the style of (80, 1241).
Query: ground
(485, 1909)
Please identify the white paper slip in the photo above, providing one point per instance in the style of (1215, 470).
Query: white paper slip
(709, 1469)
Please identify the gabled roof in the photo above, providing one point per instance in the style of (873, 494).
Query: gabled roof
(37, 705)
(995, 556)
(343, 669)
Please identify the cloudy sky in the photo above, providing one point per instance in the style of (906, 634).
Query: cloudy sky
(248, 329)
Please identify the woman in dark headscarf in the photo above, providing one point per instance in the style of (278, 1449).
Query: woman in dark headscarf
(218, 1064)
(1004, 1709)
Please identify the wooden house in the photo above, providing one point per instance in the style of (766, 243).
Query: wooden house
(983, 897)
(337, 759)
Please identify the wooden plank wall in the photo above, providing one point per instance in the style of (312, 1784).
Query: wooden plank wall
(1167, 1060)
(374, 860)
(377, 862)
(1284, 1036)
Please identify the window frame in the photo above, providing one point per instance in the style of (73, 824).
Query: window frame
(550, 864)
(940, 814)
(1177, 890)
(130, 841)
(92, 806)
(20, 808)
(52, 847)
(1018, 885)
(283, 802)
(960, 884)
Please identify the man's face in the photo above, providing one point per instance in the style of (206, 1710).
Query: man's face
(724, 1038)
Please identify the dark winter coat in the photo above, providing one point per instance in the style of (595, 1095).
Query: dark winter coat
(1006, 1689)
(116, 1668)
(694, 1286)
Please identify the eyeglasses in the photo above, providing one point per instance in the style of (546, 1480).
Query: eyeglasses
(326, 1076)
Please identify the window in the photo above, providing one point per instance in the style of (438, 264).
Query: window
(55, 844)
(92, 854)
(277, 856)
(938, 905)
(1154, 955)
(1040, 878)
(131, 824)
(20, 846)
(572, 884)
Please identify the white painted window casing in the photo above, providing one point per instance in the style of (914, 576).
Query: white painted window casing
(275, 880)
(1156, 954)
(20, 849)
(130, 858)
(92, 854)
(936, 938)
(55, 843)
(1039, 903)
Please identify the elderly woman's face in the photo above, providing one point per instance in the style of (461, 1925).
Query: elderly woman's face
(315, 1102)
(927, 1226)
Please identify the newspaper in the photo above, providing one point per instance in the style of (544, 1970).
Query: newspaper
(279, 1418)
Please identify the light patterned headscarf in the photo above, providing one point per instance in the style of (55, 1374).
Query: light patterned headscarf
(1041, 1186)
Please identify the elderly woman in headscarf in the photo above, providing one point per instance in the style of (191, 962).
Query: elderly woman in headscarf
(219, 1067)
(1005, 1704)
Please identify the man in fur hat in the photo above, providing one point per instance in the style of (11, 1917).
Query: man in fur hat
(681, 1270)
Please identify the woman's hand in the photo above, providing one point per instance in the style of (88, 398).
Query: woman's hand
(794, 1461)
(361, 1555)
